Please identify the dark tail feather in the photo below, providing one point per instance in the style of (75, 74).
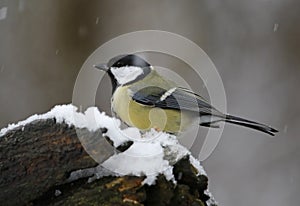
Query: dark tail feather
(250, 124)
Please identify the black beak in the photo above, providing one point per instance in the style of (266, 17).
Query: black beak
(102, 67)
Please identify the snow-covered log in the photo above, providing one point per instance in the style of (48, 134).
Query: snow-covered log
(43, 161)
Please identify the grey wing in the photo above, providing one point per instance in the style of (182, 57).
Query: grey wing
(175, 98)
(185, 99)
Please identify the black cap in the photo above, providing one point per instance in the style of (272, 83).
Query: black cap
(127, 60)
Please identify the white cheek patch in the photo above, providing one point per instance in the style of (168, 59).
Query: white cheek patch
(126, 74)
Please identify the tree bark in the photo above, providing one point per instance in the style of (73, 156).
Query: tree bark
(36, 162)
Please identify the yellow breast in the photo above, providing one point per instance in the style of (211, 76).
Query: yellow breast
(146, 117)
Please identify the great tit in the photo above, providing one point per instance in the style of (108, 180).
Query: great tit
(144, 99)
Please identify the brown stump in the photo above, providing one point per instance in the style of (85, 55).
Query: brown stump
(36, 161)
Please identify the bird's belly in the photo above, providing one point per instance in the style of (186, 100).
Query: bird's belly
(145, 117)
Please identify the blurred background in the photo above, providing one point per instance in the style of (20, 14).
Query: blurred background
(255, 46)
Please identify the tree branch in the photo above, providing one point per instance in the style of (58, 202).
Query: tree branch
(36, 161)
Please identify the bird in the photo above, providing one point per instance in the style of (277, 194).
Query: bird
(144, 99)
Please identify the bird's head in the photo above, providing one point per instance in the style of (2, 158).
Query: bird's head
(125, 69)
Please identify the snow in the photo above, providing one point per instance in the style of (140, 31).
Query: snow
(197, 165)
(141, 159)
(97, 20)
(3, 13)
(211, 200)
(60, 113)
(91, 119)
(275, 27)
(57, 193)
(151, 154)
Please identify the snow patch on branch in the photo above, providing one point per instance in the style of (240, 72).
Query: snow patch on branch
(151, 154)
(91, 119)
(62, 113)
